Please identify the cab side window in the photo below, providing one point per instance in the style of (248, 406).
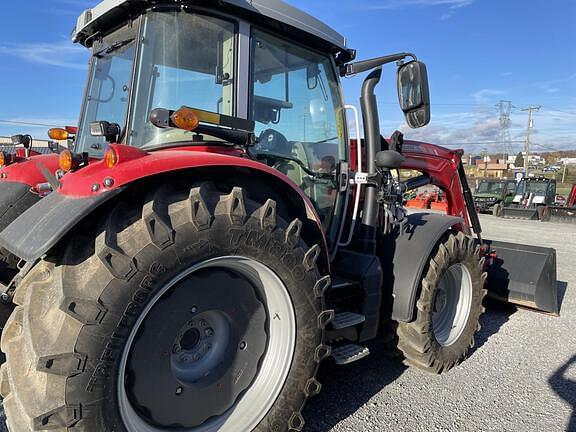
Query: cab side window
(296, 105)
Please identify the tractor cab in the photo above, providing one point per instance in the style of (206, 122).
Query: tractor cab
(239, 70)
(224, 65)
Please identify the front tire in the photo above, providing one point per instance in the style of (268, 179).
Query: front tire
(448, 308)
(199, 298)
(497, 210)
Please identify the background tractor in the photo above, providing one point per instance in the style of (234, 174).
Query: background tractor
(562, 213)
(195, 265)
(532, 195)
(23, 182)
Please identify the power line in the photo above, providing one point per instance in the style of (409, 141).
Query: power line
(561, 111)
(26, 123)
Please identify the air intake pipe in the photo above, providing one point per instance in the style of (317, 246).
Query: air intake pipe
(372, 138)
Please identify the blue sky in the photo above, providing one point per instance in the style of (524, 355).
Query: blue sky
(477, 51)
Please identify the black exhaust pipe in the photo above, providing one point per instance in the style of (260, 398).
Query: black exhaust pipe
(371, 123)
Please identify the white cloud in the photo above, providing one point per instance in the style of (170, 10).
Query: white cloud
(402, 4)
(486, 95)
(61, 53)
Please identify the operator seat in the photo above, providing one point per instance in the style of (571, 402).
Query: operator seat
(275, 142)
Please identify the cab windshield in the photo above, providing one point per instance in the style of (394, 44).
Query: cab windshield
(108, 90)
(186, 59)
(536, 188)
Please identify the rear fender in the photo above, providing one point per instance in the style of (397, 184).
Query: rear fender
(43, 226)
(405, 256)
(29, 171)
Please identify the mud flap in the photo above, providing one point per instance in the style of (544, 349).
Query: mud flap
(523, 275)
(520, 213)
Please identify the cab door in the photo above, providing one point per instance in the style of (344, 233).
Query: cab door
(297, 107)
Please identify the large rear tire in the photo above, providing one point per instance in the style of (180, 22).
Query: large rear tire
(448, 308)
(200, 310)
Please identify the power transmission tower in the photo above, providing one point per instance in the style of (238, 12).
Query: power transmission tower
(505, 108)
(530, 109)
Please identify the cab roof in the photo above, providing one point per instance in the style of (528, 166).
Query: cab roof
(272, 13)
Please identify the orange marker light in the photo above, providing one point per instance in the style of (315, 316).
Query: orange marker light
(65, 160)
(3, 161)
(58, 134)
(110, 158)
(186, 119)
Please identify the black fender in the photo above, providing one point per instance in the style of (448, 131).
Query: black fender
(405, 255)
(41, 226)
(15, 199)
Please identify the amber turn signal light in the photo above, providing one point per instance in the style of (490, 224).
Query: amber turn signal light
(186, 119)
(58, 134)
(5, 159)
(110, 158)
(65, 160)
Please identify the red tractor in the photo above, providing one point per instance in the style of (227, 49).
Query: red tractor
(195, 265)
(565, 213)
(23, 182)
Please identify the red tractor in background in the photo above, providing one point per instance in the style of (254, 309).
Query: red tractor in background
(565, 213)
(23, 182)
(195, 265)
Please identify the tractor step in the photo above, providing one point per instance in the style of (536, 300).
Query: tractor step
(339, 282)
(347, 354)
(344, 320)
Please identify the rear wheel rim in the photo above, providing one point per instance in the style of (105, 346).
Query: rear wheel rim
(254, 402)
(452, 304)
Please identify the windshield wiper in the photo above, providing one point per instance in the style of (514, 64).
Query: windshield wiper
(111, 48)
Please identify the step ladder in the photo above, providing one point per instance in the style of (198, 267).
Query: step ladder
(350, 353)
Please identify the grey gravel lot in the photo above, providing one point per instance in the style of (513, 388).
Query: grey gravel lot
(521, 376)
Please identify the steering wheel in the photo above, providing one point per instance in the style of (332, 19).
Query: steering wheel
(271, 140)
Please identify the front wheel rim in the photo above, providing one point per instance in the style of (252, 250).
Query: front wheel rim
(274, 364)
(452, 304)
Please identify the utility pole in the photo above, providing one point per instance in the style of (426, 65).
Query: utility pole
(530, 109)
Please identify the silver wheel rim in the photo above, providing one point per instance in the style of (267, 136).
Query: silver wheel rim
(452, 304)
(259, 398)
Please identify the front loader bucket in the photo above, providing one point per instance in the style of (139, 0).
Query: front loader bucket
(523, 275)
(520, 213)
(560, 214)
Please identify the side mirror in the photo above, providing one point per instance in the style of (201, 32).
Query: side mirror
(414, 94)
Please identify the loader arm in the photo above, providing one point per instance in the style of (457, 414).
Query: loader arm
(519, 274)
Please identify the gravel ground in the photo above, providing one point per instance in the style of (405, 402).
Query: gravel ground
(521, 376)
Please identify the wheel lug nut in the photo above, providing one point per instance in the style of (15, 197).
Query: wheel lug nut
(203, 323)
(176, 349)
(194, 309)
(243, 345)
(209, 332)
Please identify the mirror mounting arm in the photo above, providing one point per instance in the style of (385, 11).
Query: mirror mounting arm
(366, 65)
